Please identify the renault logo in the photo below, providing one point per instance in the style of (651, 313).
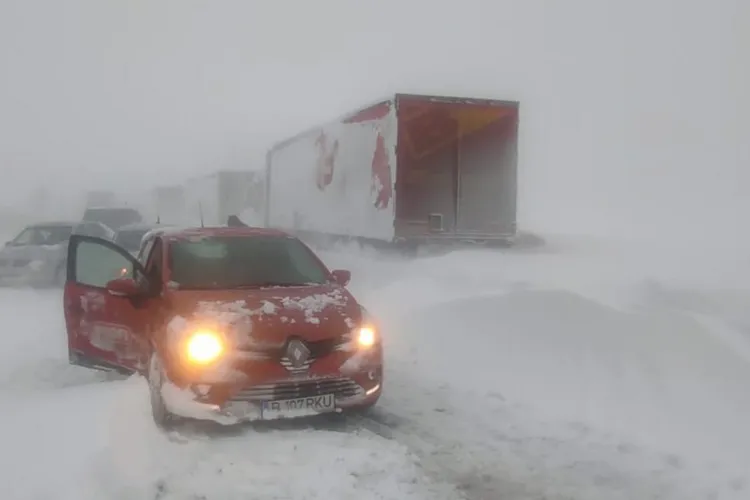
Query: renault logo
(297, 352)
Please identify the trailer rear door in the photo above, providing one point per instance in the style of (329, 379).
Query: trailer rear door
(456, 167)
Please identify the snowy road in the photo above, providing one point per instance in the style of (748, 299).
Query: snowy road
(561, 375)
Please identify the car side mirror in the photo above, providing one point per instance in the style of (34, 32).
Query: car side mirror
(123, 287)
(342, 276)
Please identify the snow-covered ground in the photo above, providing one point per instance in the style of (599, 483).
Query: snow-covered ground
(583, 371)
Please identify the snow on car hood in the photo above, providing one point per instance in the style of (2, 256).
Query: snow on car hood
(269, 316)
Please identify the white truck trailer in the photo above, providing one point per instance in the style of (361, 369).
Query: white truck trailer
(170, 205)
(216, 196)
(409, 169)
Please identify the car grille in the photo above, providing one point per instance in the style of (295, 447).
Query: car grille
(341, 388)
(318, 349)
(323, 348)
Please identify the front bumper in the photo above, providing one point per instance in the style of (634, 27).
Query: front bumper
(24, 277)
(356, 383)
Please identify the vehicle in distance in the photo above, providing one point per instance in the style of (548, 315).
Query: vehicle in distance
(227, 324)
(36, 256)
(114, 217)
(406, 171)
(130, 236)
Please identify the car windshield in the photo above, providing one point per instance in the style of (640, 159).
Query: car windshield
(130, 239)
(113, 217)
(243, 262)
(43, 235)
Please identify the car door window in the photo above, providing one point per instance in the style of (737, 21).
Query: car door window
(154, 266)
(145, 251)
(97, 264)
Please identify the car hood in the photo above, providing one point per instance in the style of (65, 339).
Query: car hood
(33, 252)
(270, 316)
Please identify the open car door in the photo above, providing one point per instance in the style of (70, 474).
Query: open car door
(105, 326)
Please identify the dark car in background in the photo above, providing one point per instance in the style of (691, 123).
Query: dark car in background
(130, 236)
(114, 217)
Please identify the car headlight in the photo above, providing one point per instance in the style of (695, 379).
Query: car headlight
(366, 336)
(204, 347)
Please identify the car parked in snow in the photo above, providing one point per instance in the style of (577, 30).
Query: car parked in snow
(36, 256)
(227, 324)
(130, 236)
(114, 217)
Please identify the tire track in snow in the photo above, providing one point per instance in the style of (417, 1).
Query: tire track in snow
(525, 459)
(293, 460)
(629, 371)
(34, 352)
(502, 451)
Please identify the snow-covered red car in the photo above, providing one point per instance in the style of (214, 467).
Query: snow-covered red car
(228, 324)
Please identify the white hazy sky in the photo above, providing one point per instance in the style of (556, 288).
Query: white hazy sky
(634, 112)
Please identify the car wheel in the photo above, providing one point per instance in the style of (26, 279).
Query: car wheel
(163, 418)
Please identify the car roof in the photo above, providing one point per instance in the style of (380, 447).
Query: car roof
(102, 208)
(193, 232)
(141, 225)
(55, 223)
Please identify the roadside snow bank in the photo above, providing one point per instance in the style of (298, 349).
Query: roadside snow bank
(661, 378)
(646, 342)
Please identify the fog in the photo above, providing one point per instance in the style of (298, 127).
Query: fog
(634, 114)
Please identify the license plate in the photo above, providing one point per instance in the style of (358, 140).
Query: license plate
(298, 407)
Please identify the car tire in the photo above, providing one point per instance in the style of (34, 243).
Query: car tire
(163, 418)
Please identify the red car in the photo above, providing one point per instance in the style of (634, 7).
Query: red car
(228, 324)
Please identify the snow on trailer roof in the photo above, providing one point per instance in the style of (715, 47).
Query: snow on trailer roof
(460, 99)
(394, 98)
(314, 129)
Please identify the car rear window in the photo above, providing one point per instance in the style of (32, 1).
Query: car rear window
(113, 217)
(130, 239)
(243, 261)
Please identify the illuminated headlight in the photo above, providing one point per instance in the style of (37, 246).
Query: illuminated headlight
(203, 347)
(366, 336)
